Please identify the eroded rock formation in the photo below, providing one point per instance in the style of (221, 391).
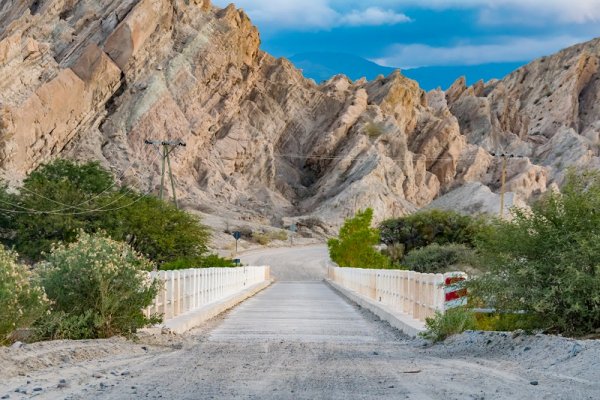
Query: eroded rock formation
(92, 79)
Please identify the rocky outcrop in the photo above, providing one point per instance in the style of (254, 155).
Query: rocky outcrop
(92, 79)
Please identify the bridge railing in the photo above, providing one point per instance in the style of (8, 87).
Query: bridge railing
(416, 294)
(190, 289)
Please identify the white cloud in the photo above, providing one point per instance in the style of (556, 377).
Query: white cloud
(373, 16)
(313, 14)
(522, 12)
(507, 50)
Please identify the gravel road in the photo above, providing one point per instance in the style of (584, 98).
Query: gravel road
(300, 340)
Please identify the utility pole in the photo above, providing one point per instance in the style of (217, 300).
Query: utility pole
(503, 178)
(167, 147)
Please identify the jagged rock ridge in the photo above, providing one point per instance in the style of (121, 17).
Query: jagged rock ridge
(93, 79)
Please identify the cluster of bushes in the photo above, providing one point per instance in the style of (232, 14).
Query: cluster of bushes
(59, 199)
(432, 241)
(85, 247)
(540, 270)
(94, 287)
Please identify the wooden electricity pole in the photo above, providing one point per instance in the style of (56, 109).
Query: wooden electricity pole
(505, 158)
(167, 147)
(503, 189)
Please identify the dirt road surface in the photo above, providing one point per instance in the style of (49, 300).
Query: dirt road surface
(298, 339)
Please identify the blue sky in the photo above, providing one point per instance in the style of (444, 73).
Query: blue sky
(413, 33)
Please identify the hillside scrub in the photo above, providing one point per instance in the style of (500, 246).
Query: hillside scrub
(546, 262)
(22, 300)
(355, 245)
(97, 287)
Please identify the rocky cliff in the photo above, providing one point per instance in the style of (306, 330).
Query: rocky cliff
(93, 79)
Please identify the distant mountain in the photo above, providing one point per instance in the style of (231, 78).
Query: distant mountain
(322, 66)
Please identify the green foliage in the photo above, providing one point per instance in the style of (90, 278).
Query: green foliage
(546, 262)
(506, 322)
(84, 197)
(98, 288)
(354, 248)
(62, 189)
(160, 231)
(426, 227)
(452, 322)
(22, 300)
(437, 258)
(210, 261)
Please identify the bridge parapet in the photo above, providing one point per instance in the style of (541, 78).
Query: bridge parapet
(411, 293)
(188, 290)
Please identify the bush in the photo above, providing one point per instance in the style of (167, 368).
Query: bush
(354, 248)
(98, 288)
(22, 300)
(546, 262)
(437, 258)
(426, 227)
(452, 322)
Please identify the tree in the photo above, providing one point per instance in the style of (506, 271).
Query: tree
(546, 261)
(52, 202)
(354, 247)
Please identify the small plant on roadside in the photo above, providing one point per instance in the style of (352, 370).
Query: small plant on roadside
(22, 300)
(98, 288)
(355, 245)
(452, 322)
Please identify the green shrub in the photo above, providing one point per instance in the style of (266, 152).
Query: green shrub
(354, 247)
(98, 288)
(452, 322)
(546, 261)
(437, 258)
(426, 227)
(22, 300)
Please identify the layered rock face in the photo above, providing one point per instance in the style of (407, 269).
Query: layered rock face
(93, 79)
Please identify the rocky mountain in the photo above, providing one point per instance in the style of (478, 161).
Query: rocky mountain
(93, 79)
